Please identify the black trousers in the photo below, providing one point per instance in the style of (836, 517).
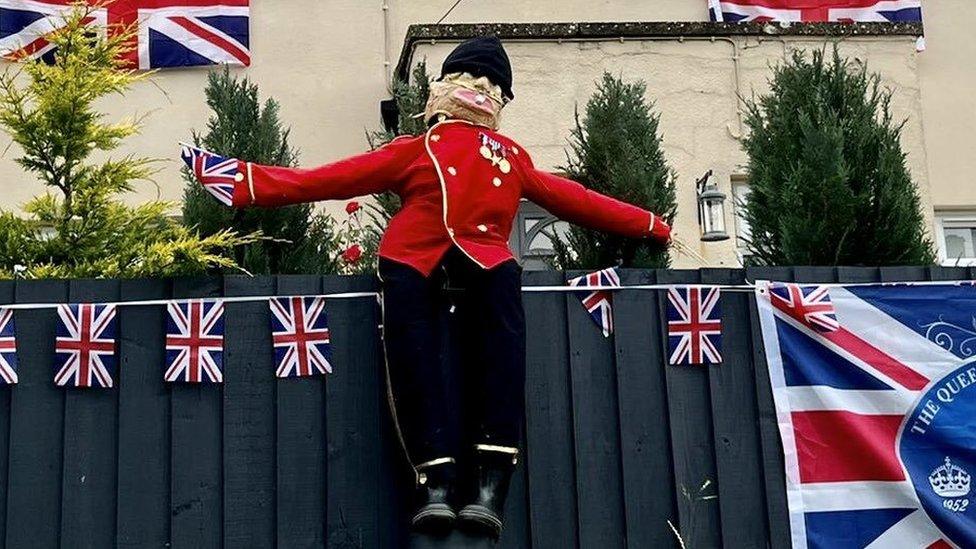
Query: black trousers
(455, 348)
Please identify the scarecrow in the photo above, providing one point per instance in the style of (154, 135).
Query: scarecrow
(460, 186)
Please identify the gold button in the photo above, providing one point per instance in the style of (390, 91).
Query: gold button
(483, 228)
(239, 177)
(504, 166)
(435, 137)
(496, 182)
(451, 170)
(515, 150)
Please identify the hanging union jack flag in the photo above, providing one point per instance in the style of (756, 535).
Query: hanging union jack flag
(300, 332)
(599, 303)
(8, 348)
(195, 341)
(217, 174)
(171, 33)
(876, 414)
(85, 346)
(841, 11)
(694, 325)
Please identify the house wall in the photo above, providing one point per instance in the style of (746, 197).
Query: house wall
(328, 64)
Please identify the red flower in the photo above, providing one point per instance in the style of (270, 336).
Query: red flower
(352, 254)
(353, 207)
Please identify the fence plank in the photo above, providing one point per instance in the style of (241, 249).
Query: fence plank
(902, 274)
(948, 273)
(644, 430)
(550, 460)
(692, 440)
(774, 478)
(301, 443)
(249, 420)
(6, 296)
(738, 449)
(144, 445)
(360, 505)
(196, 448)
(599, 486)
(858, 274)
(90, 447)
(36, 424)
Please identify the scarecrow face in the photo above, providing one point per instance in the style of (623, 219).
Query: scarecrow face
(463, 96)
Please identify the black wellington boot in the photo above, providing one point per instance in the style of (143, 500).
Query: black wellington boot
(435, 512)
(492, 476)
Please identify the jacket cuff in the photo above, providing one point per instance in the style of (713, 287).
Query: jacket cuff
(659, 230)
(243, 185)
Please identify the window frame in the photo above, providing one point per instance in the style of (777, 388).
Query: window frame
(953, 219)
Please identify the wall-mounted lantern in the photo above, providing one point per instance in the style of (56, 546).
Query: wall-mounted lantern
(711, 210)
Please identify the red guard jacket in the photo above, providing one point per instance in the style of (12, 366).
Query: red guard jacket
(460, 185)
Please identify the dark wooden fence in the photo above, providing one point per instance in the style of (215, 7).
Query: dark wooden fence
(617, 443)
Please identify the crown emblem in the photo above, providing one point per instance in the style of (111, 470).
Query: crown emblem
(949, 481)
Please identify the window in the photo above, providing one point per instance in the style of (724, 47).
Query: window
(956, 236)
(743, 233)
(531, 235)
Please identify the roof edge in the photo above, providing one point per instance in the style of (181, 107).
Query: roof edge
(634, 30)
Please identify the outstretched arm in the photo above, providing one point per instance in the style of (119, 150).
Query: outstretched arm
(575, 203)
(238, 183)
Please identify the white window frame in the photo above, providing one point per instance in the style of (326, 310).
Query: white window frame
(952, 220)
(739, 181)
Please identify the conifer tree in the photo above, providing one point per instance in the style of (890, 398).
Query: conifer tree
(828, 180)
(80, 228)
(297, 239)
(616, 150)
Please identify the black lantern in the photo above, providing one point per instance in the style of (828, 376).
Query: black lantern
(711, 210)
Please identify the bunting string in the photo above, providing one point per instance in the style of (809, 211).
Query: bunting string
(748, 287)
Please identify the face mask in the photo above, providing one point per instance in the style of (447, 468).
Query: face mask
(462, 96)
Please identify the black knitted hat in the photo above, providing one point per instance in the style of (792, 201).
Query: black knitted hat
(482, 56)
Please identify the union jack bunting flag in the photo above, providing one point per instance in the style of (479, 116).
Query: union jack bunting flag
(694, 325)
(300, 333)
(841, 11)
(8, 348)
(876, 413)
(599, 303)
(85, 346)
(217, 174)
(195, 341)
(811, 303)
(171, 33)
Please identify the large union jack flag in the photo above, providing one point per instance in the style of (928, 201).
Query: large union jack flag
(876, 413)
(844, 11)
(171, 33)
(8, 348)
(195, 341)
(694, 325)
(217, 174)
(85, 346)
(599, 303)
(300, 332)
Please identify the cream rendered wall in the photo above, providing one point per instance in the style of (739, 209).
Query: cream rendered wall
(948, 75)
(325, 63)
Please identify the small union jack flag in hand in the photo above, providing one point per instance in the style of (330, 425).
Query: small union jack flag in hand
(599, 303)
(810, 305)
(217, 174)
(85, 346)
(195, 341)
(8, 348)
(694, 325)
(300, 332)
